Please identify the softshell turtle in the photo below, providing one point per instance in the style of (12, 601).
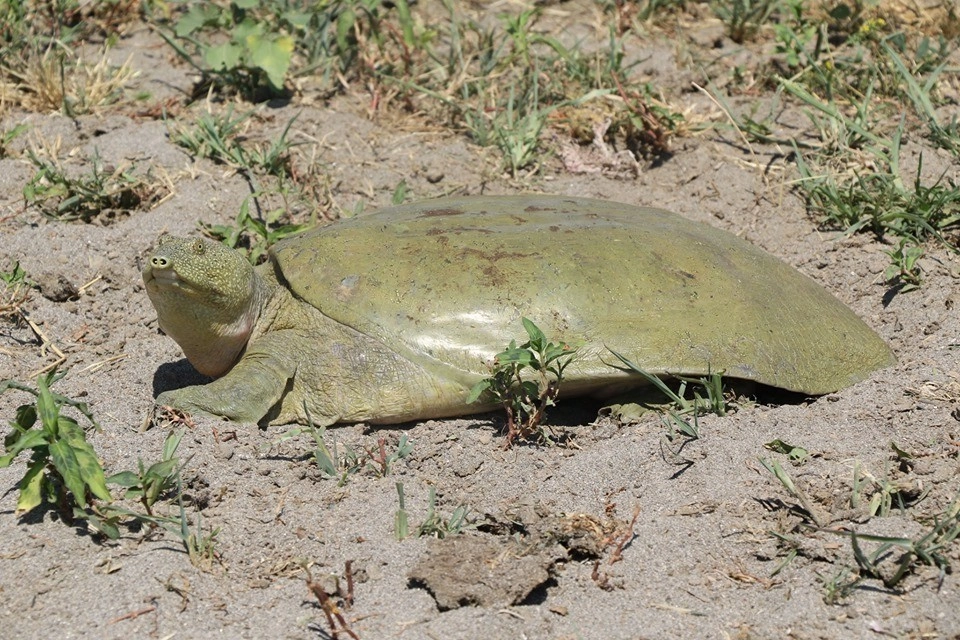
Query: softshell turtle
(395, 315)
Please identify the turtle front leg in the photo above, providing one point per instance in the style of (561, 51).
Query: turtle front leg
(250, 391)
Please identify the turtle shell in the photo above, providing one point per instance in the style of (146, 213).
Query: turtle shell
(445, 283)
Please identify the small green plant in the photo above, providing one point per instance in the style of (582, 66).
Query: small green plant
(16, 291)
(526, 400)
(8, 136)
(331, 461)
(903, 269)
(794, 41)
(148, 484)
(839, 586)
(944, 135)
(399, 193)
(213, 136)
(433, 524)
(63, 469)
(681, 416)
(256, 54)
(254, 235)
(714, 400)
(202, 546)
(889, 491)
(929, 549)
(517, 128)
(102, 192)
(217, 136)
(380, 462)
(877, 200)
(744, 18)
(626, 11)
(16, 276)
(340, 461)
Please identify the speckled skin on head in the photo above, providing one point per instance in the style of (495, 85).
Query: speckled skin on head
(393, 316)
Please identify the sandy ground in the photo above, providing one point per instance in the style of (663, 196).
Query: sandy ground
(547, 520)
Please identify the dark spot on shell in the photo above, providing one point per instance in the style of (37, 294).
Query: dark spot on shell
(434, 213)
(495, 256)
(686, 275)
(494, 275)
(554, 228)
(436, 231)
(459, 230)
(534, 207)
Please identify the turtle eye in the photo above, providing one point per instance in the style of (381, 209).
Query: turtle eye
(198, 246)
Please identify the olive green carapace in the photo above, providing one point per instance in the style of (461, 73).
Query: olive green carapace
(395, 315)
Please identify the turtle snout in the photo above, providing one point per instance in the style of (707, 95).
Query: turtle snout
(160, 262)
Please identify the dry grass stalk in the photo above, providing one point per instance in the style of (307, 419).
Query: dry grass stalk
(59, 80)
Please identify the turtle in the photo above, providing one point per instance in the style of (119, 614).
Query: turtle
(394, 316)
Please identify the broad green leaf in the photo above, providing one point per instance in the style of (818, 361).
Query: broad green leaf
(246, 4)
(31, 486)
(65, 460)
(106, 526)
(247, 32)
(554, 351)
(223, 57)
(273, 56)
(478, 390)
(91, 472)
(30, 440)
(530, 388)
(536, 335)
(26, 417)
(297, 19)
(197, 17)
(519, 356)
(47, 409)
(124, 479)
(163, 469)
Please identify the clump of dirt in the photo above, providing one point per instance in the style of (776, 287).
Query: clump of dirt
(484, 571)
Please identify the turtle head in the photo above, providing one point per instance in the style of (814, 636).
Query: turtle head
(208, 298)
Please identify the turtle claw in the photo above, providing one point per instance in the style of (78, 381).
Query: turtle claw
(197, 401)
